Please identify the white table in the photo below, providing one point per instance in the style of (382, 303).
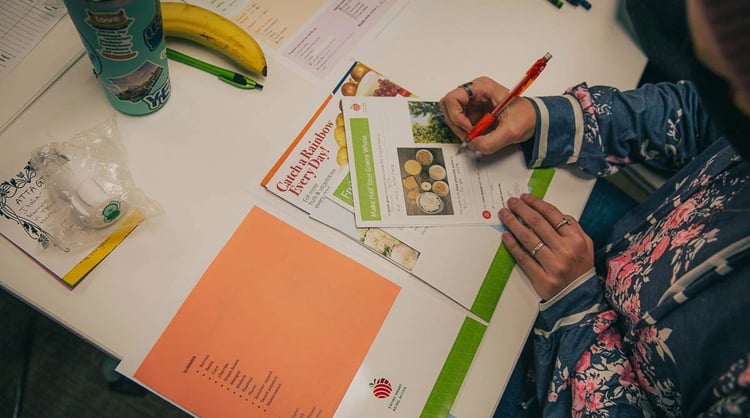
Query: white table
(203, 155)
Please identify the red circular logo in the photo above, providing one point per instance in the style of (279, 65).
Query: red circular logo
(381, 388)
(486, 214)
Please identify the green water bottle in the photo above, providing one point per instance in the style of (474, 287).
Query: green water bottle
(125, 42)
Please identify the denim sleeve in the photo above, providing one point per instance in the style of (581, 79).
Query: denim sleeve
(581, 368)
(600, 129)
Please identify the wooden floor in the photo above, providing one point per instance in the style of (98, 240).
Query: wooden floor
(65, 376)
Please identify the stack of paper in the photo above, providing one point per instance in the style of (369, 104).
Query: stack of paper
(30, 61)
(468, 264)
(282, 325)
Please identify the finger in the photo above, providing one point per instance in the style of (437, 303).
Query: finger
(528, 238)
(551, 213)
(489, 143)
(487, 89)
(492, 140)
(516, 124)
(527, 263)
(569, 227)
(453, 110)
(537, 222)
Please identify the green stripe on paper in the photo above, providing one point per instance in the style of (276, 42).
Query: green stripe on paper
(540, 180)
(344, 190)
(364, 166)
(501, 266)
(454, 370)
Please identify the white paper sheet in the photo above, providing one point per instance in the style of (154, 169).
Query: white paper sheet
(407, 168)
(310, 36)
(23, 23)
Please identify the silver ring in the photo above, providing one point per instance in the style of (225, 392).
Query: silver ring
(565, 221)
(537, 248)
(467, 88)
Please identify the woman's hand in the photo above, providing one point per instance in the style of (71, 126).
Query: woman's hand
(550, 247)
(462, 110)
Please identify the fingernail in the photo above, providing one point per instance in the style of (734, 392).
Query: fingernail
(503, 213)
(512, 200)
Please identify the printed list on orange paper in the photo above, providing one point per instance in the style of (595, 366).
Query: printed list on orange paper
(279, 323)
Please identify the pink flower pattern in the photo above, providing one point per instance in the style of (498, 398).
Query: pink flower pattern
(627, 365)
(597, 380)
(744, 377)
(674, 240)
(592, 110)
(600, 376)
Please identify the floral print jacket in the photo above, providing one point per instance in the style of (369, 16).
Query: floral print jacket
(663, 329)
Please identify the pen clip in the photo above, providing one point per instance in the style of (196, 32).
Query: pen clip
(240, 81)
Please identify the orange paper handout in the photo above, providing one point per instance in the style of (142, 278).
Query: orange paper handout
(277, 327)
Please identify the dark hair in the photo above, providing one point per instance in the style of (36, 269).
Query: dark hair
(716, 97)
(729, 22)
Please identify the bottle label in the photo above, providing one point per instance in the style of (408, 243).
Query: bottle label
(125, 43)
(113, 34)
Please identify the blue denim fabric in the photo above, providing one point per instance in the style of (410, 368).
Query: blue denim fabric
(519, 398)
(607, 204)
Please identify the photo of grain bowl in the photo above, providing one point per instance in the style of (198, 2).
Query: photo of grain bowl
(428, 125)
(424, 179)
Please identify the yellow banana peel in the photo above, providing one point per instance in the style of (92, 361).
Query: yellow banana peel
(200, 25)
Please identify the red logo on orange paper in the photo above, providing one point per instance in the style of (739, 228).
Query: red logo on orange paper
(381, 388)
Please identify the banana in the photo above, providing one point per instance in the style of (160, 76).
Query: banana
(197, 24)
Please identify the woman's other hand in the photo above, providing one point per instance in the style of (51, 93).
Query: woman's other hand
(551, 248)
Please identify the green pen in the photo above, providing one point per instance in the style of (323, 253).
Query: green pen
(228, 76)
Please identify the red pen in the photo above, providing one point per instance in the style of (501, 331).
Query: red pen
(487, 120)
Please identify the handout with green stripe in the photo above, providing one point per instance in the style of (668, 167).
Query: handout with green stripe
(468, 264)
(406, 169)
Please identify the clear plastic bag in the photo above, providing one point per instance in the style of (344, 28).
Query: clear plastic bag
(90, 189)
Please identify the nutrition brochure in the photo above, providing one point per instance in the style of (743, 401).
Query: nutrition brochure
(408, 169)
(313, 174)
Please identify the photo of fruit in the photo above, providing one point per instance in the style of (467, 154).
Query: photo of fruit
(339, 135)
(425, 181)
(363, 81)
(428, 125)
